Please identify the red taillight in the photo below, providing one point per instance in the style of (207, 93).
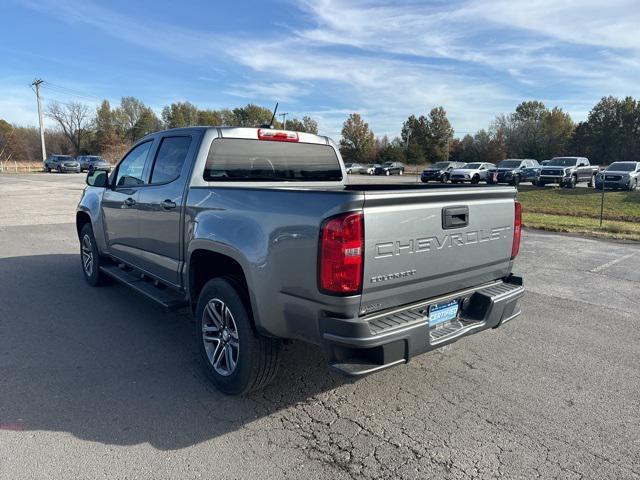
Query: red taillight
(341, 252)
(517, 230)
(277, 135)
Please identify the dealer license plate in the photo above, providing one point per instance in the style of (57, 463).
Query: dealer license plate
(440, 313)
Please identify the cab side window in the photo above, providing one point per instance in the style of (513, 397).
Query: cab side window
(170, 159)
(131, 168)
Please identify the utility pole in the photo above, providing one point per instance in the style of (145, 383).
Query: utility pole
(36, 83)
(284, 120)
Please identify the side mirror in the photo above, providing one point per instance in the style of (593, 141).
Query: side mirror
(98, 178)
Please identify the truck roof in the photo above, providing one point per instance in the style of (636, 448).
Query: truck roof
(250, 133)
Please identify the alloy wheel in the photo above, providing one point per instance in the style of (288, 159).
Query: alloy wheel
(87, 255)
(220, 337)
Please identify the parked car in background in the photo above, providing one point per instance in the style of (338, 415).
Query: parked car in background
(91, 162)
(369, 169)
(472, 172)
(567, 172)
(61, 164)
(259, 235)
(390, 168)
(619, 175)
(513, 171)
(353, 167)
(440, 171)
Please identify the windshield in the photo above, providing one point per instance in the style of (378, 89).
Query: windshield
(562, 162)
(255, 160)
(440, 165)
(622, 167)
(473, 165)
(509, 164)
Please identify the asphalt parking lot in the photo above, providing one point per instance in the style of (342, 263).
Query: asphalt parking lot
(100, 383)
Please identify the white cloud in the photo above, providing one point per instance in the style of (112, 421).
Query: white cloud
(276, 91)
(477, 58)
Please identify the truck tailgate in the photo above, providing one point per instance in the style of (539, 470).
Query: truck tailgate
(417, 244)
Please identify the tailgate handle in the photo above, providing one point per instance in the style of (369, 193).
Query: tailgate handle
(455, 217)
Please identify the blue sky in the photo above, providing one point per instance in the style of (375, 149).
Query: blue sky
(385, 60)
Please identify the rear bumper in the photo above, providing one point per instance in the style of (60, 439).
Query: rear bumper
(382, 340)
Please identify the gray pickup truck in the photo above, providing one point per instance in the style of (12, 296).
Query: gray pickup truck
(259, 234)
(567, 172)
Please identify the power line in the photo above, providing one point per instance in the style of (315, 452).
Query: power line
(70, 91)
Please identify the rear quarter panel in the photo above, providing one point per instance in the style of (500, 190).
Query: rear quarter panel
(273, 234)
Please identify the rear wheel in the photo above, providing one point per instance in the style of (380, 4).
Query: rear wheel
(234, 356)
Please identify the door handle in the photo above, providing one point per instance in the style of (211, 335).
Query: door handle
(168, 204)
(129, 202)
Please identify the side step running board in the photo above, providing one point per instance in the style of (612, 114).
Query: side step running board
(167, 298)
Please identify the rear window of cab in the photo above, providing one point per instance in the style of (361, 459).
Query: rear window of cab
(234, 159)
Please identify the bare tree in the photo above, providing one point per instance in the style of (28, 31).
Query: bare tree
(74, 120)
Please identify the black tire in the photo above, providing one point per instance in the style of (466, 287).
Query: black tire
(59, 169)
(88, 248)
(633, 185)
(475, 179)
(540, 184)
(47, 169)
(387, 173)
(572, 183)
(515, 181)
(256, 357)
(591, 182)
(444, 178)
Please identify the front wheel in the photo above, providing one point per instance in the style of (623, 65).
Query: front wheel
(59, 169)
(633, 185)
(475, 179)
(443, 178)
(515, 181)
(591, 182)
(90, 257)
(235, 357)
(387, 173)
(401, 172)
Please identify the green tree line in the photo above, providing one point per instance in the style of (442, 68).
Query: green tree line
(111, 130)
(611, 132)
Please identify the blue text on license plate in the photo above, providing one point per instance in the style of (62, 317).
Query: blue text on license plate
(443, 312)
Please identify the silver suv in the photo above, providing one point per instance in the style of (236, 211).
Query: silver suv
(61, 164)
(623, 175)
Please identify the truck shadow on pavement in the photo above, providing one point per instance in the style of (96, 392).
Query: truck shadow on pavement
(109, 366)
